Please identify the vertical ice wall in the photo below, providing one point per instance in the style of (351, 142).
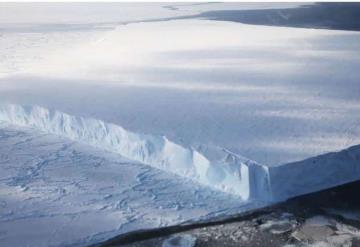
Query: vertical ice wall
(213, 167)
(315, 173)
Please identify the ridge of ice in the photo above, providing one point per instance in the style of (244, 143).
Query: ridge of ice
(213, 167)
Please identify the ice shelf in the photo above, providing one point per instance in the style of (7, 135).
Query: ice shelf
(214, 167)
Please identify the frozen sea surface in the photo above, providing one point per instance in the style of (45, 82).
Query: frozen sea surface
(272, 94)
(285, 98)
(56, 192)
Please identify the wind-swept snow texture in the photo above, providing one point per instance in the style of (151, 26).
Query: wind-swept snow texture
(214, 167)
(274, 95)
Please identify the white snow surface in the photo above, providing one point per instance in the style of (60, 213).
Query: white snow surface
(274, 95)
(100, 14)
(58, 192)
(158, 121)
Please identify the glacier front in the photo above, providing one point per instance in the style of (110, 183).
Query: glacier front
(213, 167)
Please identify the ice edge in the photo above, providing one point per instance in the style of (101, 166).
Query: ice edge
(216, 168)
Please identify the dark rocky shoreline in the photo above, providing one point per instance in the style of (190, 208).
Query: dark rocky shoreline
(327, 218)
(326, 15)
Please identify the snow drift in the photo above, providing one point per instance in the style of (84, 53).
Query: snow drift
(213, 167)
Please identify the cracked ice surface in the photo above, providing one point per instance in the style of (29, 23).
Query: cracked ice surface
(57, 192)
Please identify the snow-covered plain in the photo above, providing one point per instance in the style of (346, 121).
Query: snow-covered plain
(271, 97)
(57, 192)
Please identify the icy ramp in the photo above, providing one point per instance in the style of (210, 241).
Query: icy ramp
(216, 168)
(315, 173)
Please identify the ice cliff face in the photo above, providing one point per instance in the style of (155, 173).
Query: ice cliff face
(213, 167)
(216, 168)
